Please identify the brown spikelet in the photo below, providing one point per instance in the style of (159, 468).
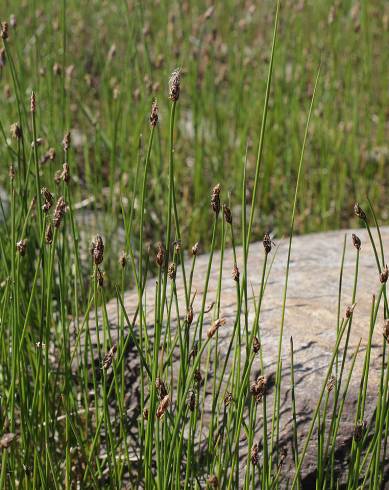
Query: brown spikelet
(172, 271)
(59, 212)
(65, 172)
(359, 212)
(189, 316)
(359, 430)
(161, 388)
(195, 249)
(198, 377)
(99, 277)
(160, 256)
(109, 356)
(356, 241)
(16, 131)
(235, 273)
(66, 141)
(49, 234)
(384, 274)
(349, 310)
(97, 250)
(48, 198)
(331, 383)
(4, 30)
(215, 326)
(145, 414)
(33, 102)
(267, 243)
(255, 454)
(154, 114)
(192, 400)
(256, 345)
(163, 406)
(123, 259)
(174, 85)
(215, 199)
(258, 388)
(227, 214)
(227, 398)
(21, 247)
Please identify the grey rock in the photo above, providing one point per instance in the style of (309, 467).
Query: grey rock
(310, 318)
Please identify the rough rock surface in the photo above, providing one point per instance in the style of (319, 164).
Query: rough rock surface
(311, 317)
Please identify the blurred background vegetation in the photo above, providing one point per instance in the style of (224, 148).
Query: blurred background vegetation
(96, 66)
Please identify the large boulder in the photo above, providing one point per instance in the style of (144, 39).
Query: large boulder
(311, 319)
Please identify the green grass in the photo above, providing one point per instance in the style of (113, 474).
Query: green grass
(287, 119)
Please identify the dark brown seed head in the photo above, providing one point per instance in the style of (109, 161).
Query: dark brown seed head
(21, 247)
(163, 406)
(33, 102)
(192, 400)
(123, 259)
(160, 256)
(48, 197)
(215, 199)
(66, 141)
(189, 316)
(154, 114)
(267, 243)
(172, 271)
(59, 212)
(349, 310)
(331, 383)
(174, 85)
(97, 250)
(359, 212)
(227, 214)
(109, 356)
(4, 30)
(359, 430)
(16, 131)
(215, 326)
(49, 235)
(161, 388)
(283, 455)
(198, 377)
(356, 241)
(195, 249)
(384, 274)
(256, 345)
(255, 454)
(235, 273)
(227, 398)
(145, 414)
(65, 172)
(99, 277)
(258, 388)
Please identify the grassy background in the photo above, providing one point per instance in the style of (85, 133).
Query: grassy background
(96, 67)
